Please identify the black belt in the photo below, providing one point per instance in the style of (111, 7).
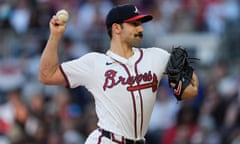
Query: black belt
(126, 141)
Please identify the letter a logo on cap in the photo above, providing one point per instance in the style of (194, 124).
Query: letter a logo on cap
(136, 10)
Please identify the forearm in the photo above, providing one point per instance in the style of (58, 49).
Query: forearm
(191, 90)
(49, 61)
(49, 72)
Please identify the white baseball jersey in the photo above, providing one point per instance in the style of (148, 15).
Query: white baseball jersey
(124, 89)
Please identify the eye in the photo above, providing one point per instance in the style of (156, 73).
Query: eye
(136, 23)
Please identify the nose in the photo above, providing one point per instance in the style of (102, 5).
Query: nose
(140, 28)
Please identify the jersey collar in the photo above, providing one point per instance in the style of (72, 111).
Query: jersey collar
(122, 59)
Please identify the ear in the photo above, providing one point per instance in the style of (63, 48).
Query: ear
(116, 28)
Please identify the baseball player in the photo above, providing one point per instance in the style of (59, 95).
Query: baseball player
(123, 81)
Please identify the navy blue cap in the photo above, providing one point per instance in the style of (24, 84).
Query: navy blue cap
(126, 13)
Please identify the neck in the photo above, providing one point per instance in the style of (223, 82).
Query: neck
(121, 49)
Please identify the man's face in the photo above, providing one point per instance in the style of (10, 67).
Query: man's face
(132, 33)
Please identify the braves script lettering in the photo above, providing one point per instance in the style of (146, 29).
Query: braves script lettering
(133, 82)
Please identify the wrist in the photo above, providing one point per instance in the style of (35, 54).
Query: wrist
(54, 37)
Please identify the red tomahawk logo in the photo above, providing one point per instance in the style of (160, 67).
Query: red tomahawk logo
(153, 84)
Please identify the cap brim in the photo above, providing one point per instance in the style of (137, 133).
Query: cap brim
(143, 18)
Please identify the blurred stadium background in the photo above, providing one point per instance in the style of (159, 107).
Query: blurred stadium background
(31, 113)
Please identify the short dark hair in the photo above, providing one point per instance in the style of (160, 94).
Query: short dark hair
(109, 30)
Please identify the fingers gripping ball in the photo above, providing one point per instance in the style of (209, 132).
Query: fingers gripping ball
(62, 15)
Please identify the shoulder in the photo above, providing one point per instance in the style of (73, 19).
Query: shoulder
(92, 55)
(155, 51)
(89, 58)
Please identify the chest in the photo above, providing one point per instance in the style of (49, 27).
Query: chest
(131, 76)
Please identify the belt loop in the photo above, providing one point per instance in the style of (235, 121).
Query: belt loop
(112, 137)
(119, 140)
(123, 140)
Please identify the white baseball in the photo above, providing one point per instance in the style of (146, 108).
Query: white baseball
(62, 15)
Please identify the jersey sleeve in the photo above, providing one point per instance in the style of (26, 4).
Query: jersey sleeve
(78, 71)
(161, 57)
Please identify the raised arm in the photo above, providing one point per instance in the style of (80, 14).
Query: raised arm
(49, 70)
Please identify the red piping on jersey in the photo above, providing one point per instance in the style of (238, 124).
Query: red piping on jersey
(132, 94)
(100, 139)
(140, 94)
(65, 76)
(134, 102)
(115, 140)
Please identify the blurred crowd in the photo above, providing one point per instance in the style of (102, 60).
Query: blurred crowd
(32, 113)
